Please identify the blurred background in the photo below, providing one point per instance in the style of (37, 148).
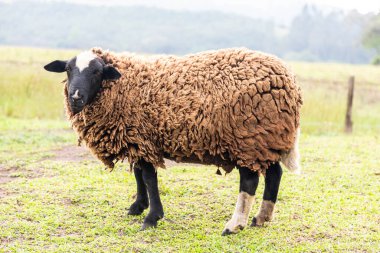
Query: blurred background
(324, 41)
(328, 31)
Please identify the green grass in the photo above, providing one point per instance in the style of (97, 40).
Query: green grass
(52, 205)
(337, 72)
(27, 90)
(325, 88)
(49, 203)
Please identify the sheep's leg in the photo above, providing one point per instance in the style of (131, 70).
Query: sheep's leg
(142, 201)
(248, 185)
(272, 184)
(156, 211)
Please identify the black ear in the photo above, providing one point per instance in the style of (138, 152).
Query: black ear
(110, 73)
(56, 66)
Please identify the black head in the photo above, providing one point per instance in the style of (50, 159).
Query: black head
(85, 74)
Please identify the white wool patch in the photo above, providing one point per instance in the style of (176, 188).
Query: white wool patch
(291, 159)
(240, 217)
(83, 60)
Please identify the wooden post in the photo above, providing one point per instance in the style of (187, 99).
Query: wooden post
(348, 125)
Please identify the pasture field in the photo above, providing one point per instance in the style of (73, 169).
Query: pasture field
(28, 91)
(54, 197)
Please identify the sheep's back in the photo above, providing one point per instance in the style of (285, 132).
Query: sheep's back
(236, 104)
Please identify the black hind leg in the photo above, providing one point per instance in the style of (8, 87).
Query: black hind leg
(248, 185)
(272, 184)
(142, 201)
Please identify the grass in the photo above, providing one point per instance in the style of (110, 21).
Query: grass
(54, 198)
(54, 205)
(27, 90)
(325, 88)
(337, 72)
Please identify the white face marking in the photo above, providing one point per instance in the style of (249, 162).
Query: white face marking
(240, 217)
(76, 95)
(83, 60)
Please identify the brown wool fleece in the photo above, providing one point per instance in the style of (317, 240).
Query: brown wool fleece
(227, 107)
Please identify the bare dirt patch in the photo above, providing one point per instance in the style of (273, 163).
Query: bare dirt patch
(72, 154)
(171, 163)
(7, 174)
(5, 178)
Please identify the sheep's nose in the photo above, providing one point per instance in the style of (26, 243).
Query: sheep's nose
(76, 97)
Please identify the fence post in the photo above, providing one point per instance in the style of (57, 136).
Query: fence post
(348, 124)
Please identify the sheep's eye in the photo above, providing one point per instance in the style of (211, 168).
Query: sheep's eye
(96, 72)
(68, 68)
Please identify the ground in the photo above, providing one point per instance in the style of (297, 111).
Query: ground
(56, 197)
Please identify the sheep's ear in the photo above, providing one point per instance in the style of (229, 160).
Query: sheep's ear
(110, 73)
(56, 66)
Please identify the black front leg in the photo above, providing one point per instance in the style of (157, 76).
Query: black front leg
(156, 212)
(142, 201)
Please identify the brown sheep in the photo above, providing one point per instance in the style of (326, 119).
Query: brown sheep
(231, 108)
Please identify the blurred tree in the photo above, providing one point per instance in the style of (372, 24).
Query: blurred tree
(371, 38)
(314, 35)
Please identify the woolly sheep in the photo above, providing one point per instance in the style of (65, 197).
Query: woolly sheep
(230, 108)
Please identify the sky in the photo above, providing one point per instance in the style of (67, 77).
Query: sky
(363, 6)
(279, 11)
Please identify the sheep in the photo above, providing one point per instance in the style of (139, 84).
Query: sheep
(230, 108)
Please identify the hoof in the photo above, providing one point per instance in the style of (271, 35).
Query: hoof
(137, 208)
(254, 223)
(147, 225)
(264, 215)
(257, 222)
(151, 220)
(226, 232)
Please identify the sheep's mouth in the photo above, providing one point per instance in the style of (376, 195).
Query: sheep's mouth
(76, 109)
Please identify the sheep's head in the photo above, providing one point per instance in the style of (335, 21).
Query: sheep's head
(85, 74)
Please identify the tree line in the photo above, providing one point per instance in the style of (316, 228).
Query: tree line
(313, 35)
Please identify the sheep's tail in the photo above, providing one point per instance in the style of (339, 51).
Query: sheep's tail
(291, 158)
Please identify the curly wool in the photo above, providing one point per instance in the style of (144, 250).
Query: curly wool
(227, 107)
